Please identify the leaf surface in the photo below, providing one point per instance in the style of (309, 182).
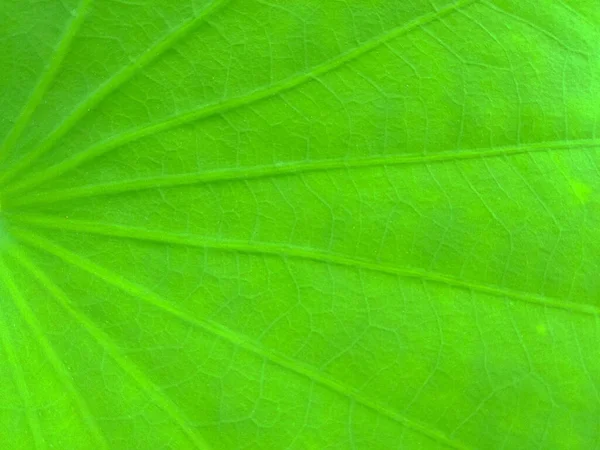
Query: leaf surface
(235, 224)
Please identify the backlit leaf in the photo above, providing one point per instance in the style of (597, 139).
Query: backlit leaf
(307, 224)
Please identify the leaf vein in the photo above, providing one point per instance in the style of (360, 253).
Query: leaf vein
(33, 420)
(292, 168)
(111, 85)
(46, 79)
(218, 108)
(112, 349)
(233, 337)
(58, 366)
(276, 249)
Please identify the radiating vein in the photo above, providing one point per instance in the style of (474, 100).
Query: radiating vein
(214, 109)
(46, 79)
(147, 386)
(536, 27)
(231, 336)
(276, 249)
(55, 361)
(290, 168)
(33, 420)
(107, 88)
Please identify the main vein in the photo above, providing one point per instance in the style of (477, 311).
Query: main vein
(276, 249)
(233, 337)
(55, 361)
(108, 87)
(33, 420)
(290, 168)
(46, 79)
(214, 109)
(112, 349)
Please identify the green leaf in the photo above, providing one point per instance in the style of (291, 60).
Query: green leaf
(269, 224)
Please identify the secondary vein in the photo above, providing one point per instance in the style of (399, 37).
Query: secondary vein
(111, 85)
(33, 420)
(112, 349)
(55, 361)
(46, 79)
(214, 109)
(233, 337)
(276, 249)
(283, 169)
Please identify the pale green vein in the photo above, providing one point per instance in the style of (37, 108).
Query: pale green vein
(58, 366)
(214, 109)
(536, 27)
(111, 85)
(46, 79)
(112, 349)
(291, 168)
(276, 249)
(33, 420)
(231, 336)
(577, 14)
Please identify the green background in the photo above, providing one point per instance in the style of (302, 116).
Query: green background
(299, 224)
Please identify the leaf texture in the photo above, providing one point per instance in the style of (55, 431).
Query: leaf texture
(255, 224)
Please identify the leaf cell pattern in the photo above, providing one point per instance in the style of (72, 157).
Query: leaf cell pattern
(264, 224)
